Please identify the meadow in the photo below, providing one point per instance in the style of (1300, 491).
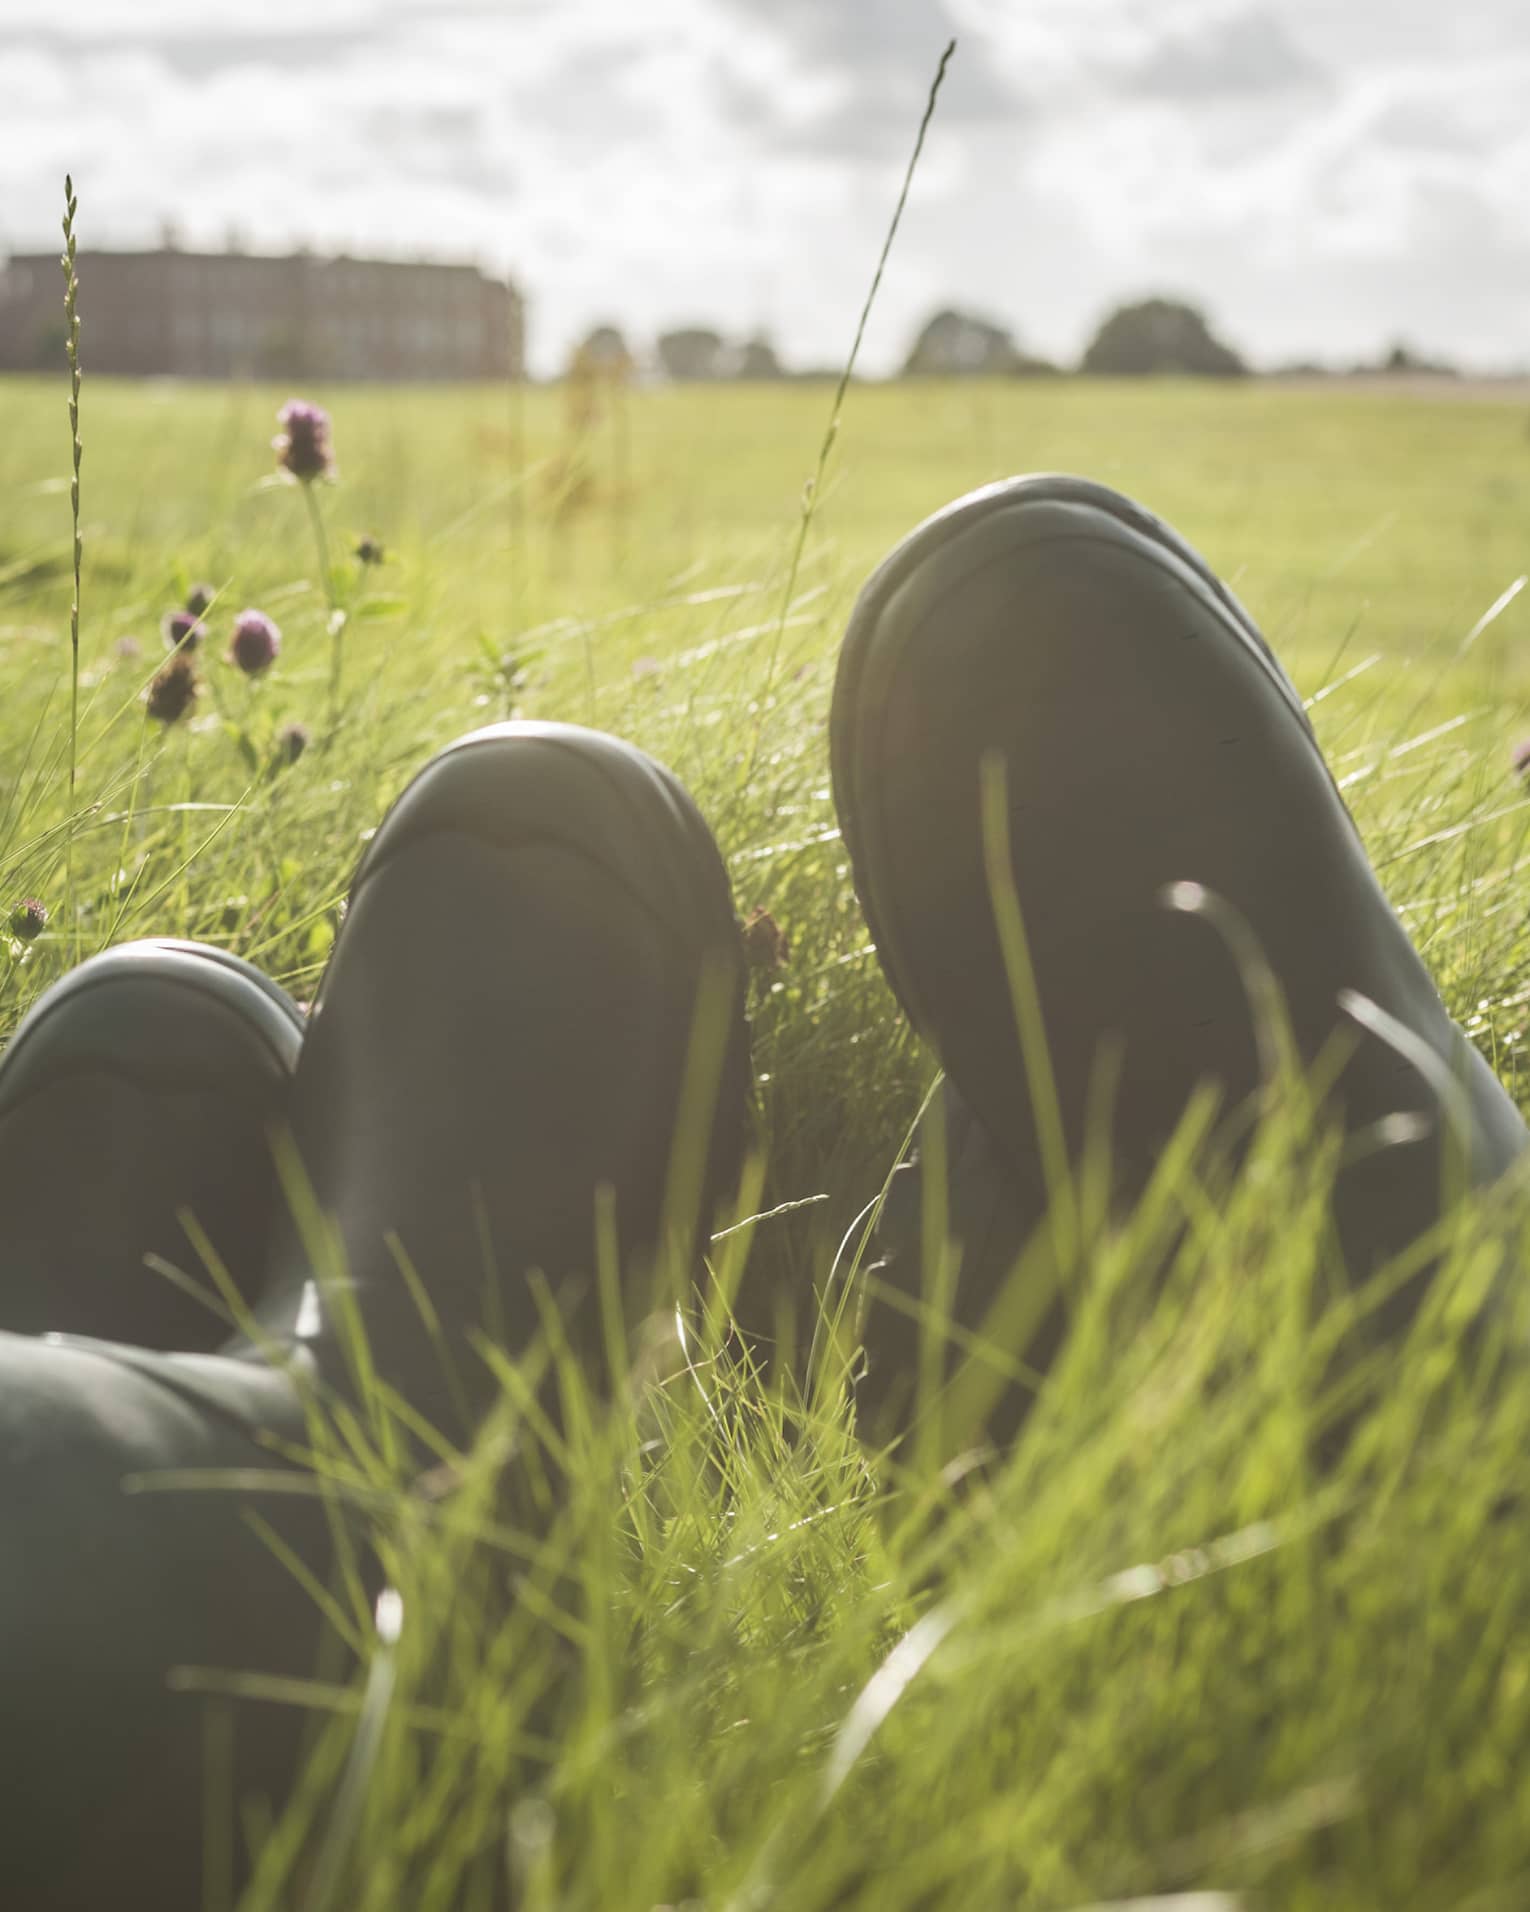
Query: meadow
(742, 1660)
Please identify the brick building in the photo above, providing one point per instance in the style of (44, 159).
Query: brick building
(234, 315)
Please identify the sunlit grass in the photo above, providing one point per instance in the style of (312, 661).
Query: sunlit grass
(691, 1642)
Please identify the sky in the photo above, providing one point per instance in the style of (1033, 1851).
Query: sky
(1323, 176)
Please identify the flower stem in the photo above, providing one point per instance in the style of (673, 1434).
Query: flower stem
(316, 519)
(336, 612)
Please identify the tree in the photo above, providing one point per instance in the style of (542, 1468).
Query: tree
(604, 350)
(1403, 362)
(1160, 336)
(954, 344)
(756, 358)
(694, 351)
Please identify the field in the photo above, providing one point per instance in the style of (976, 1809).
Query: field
(1154, 1650)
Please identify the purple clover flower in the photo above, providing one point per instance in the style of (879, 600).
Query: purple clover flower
(1520, 758)
(302, 447)
(199, 599)
(28, 920)
(370, 550)
(172, 690)
(255, 644)
(184, 630)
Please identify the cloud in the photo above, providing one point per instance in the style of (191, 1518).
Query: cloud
(870, 68)
(199, 54)
(1239, 55)
(889, 40)
(1322, 177)
(1424, 126)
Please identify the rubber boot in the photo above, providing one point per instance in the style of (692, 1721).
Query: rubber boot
(539, 937)
(138, 1090)
(1146, 749)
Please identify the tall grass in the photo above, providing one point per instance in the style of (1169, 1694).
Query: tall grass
(76, 449)
(814, 485)
(691, 1641)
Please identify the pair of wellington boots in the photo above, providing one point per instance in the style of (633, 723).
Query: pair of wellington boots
(1048, 714)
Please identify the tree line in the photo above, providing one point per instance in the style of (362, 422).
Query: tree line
(1146, 338)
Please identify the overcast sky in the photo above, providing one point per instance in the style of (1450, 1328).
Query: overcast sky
(1325, 175)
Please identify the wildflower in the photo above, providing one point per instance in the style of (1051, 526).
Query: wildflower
(766, 946)
(369, 550)
(172, 690)
(184, 630)
(291, 741)
(199, 599)
(28, 920)
(128, 648)
(255, 643)
(1521, 759)
(303, 446)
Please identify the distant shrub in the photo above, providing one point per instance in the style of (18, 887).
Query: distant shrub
(1160, 336)
(953, 344)
(693, 352)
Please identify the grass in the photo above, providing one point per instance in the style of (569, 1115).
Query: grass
(733, 1659)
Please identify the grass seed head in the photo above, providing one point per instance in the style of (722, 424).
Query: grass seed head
(172, 690)
(291, 741)
(766, 945)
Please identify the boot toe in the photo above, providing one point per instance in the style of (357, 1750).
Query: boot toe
(139, 1088)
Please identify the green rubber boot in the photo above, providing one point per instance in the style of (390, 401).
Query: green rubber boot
(139, 1089)
(536, 937)
(1151, 750)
